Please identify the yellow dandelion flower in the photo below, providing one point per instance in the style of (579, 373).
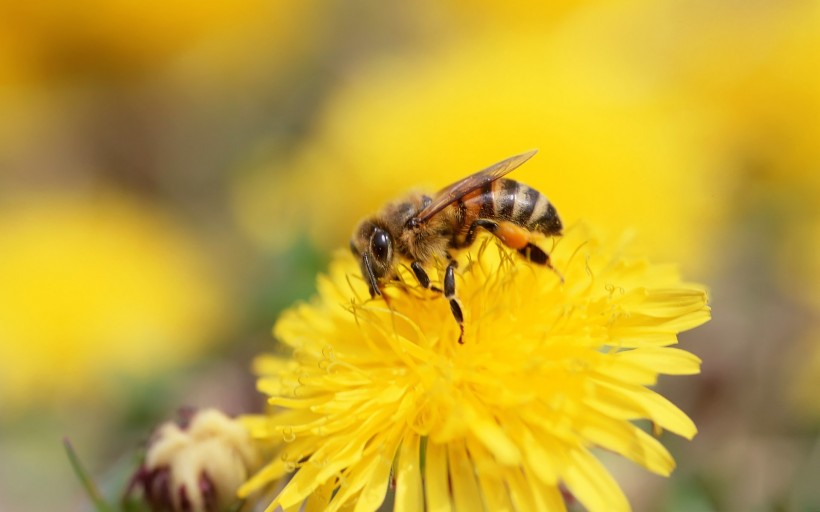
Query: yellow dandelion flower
(379, 392)
(124, 39)
(56, 58)
(772, 108)
(484, 15)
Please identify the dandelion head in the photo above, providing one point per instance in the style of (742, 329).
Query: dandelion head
(380, 393)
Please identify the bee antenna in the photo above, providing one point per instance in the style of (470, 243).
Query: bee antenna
(367, 270)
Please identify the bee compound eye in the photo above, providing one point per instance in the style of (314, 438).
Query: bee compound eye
(380, 245)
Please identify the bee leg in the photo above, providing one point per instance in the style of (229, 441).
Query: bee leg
(421, 275)
(516, 237)
(510, 234)
(449, 289)
(537, 255)
(450, 295)
(487, 224)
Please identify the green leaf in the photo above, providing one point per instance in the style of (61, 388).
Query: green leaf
(90, 487)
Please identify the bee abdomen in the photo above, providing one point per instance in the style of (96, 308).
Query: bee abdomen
(510, 200)
(538, 214)
(503, 200)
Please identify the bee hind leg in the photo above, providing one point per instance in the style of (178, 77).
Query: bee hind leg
(537, 255)
(510, 234)
(516, 237)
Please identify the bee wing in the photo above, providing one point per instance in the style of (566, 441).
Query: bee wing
(461, 188)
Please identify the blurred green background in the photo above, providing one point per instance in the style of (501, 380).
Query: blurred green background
(172, 176)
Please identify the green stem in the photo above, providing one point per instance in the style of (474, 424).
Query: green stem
(90, 487)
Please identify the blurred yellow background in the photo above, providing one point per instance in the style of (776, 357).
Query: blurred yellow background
(171, 178)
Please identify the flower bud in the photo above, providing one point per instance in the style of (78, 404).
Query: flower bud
(197, 466)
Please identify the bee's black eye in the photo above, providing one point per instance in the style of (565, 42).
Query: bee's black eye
(380, 245)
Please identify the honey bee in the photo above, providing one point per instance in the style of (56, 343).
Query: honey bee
(423, 229)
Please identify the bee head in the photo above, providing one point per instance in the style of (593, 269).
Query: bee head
(373, 245)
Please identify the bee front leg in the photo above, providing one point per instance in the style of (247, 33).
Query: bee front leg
(449, 289)
(421, 275)
(450, 295)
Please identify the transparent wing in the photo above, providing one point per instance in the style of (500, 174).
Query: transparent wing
(461, 188)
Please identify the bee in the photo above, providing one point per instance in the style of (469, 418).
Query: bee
(420, 229)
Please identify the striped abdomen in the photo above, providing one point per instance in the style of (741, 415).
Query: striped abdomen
(507, 200)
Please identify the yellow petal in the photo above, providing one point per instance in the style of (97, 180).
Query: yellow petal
(587, 479)
(409, 493)
(489, 473)
(374, 491)
(344, 499)
(665, 303)
(628, 440)
(548, 497)
(270, 473)
(613, 365)
(466, 495)
(436, 481)
(520, 490)
(540, 460)
(539, 448)
(318, 501)
(632, 402)
(652, 337)
(319, 468)
(493, 437)
(494, 491)
(668, 361)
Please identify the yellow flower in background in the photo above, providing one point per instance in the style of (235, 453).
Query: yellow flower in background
(775, 110)
(95, 289)
(486, 14)
(53, 40)
(378, 392)
(615, 147)
(57, 58)
(774, 105)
